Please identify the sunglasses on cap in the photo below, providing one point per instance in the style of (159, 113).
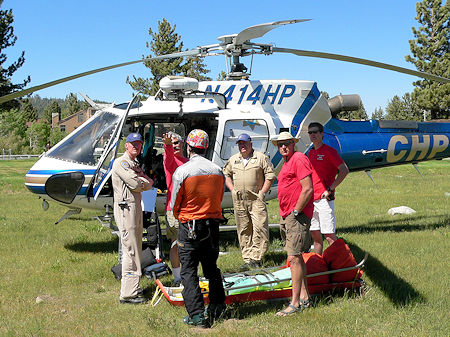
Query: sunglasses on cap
(280, 144)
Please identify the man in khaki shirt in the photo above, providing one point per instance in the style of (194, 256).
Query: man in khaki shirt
(249, 175)
(129, 181)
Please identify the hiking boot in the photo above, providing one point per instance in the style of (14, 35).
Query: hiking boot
(215, 311)
(133, 300)
(140, 292)
(245, 267)
(255, 264)
(197, 320)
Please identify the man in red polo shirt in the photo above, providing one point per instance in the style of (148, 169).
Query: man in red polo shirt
(329, 171)
(294, 196)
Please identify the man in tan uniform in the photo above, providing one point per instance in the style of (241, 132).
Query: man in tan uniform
(128, 182)
(249, 175)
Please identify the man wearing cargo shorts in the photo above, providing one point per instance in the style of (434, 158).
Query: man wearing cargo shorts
(249, 175)
(129, 181)
(296, 208)
(329, 170)
(173, 157)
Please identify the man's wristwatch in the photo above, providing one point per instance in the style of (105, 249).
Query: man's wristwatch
(295, 212)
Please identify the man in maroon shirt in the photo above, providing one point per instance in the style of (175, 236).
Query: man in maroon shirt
(329, 171)
(173, 157)
(294, 196)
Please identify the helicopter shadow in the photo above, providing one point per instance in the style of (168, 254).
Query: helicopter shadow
(395, 288)
(110, 246)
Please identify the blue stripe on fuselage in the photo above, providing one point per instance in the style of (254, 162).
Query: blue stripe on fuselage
(40, 189)
(276, 159)
(306, 106)
(51, 172)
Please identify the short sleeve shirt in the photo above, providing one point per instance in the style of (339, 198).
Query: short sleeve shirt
(249, 177)
(171, 162)
(295, 169)
(325, 162)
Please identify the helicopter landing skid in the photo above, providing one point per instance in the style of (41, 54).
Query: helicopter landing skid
(106, 221)
(69, 212)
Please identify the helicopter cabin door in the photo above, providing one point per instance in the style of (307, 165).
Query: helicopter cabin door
(103, 172)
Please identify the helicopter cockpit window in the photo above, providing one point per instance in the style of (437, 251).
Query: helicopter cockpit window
(124, 106)
(87, 145)
(255, 128)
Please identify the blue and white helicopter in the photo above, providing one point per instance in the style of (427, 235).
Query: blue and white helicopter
(76, 172)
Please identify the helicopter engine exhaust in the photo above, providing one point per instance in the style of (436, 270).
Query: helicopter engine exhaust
(344, 103)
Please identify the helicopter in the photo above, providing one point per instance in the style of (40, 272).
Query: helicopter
(76, 172)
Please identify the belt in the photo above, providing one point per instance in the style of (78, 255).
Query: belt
(291, 213)
(198, 221)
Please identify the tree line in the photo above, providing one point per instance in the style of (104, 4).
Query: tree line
(21, 132)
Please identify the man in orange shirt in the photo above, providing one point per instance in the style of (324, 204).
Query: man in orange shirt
(197, 194)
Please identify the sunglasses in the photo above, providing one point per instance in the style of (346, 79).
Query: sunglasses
(311, 132)
(281, 144)
(176, 142)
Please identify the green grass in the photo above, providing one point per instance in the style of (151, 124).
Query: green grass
(68, 266)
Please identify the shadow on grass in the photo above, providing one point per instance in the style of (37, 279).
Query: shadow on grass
(399, 224)
(249, 309)
(94, 247)
(396, 289)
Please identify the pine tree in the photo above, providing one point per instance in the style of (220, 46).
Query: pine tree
(28, 111)
(166, 41)
(49, 110)
(395, 109)
(359, 114)
(404, 108)
(72, 105)
(430, 53)
(378, 114)
(411, 108)
(222, 76)
(8, 39)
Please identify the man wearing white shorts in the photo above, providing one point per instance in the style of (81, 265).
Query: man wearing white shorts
(329, 170)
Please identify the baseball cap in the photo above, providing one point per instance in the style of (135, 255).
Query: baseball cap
(244, 137)
(132, 137)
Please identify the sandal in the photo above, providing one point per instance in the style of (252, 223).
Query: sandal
(285, 312)
(306, 304)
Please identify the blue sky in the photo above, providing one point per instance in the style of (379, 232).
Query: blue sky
(61, 38)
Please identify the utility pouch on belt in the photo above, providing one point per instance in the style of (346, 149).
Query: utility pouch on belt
(194, 234)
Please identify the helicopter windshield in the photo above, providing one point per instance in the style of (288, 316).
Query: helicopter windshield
(87, 145)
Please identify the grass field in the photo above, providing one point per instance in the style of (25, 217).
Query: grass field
(55, 280)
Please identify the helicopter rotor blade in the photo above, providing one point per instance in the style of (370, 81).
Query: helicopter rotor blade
(256, 31)
(366, 62)
(17, 94)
